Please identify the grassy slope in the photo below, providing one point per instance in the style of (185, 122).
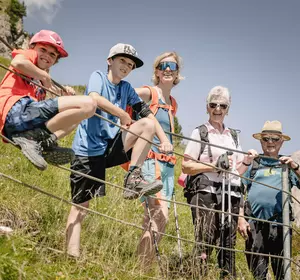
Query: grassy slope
(108, 247)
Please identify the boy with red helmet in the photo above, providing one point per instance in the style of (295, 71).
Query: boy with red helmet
(26, 117)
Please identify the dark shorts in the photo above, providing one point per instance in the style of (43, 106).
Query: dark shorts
(27, 114)
(84, 189)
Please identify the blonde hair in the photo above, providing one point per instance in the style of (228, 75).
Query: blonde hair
(158, 59)
(219, 92)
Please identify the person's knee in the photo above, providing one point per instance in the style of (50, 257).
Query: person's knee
(88, 106)
(147, 125)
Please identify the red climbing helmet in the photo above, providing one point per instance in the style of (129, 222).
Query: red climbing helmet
(49, 37)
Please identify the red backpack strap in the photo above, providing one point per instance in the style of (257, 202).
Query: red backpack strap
(174, 105)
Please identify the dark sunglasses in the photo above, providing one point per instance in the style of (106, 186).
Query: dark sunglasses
(273, 139)
(214, 105)
(164, 65)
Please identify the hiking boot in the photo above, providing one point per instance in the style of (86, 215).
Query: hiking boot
(135, 185)
(54, 154)
(30, 147)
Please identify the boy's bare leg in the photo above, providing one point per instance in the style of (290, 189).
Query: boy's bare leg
(73, 229)
(40, 147)
(159, 216)
(72, 110)
(134, 180)
(145, 128)
(62, 133)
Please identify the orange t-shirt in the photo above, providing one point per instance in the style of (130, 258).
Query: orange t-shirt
(13, 87)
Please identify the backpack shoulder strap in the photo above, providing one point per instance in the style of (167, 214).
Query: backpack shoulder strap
(174, 105)
(154, 99)
(203, 132)
(254, 168)
(234, 134)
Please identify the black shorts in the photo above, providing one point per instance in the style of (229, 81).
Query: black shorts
(84, 189)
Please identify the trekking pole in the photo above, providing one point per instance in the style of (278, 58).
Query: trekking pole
(155, 243)
(286, 221)
(178, 232)
(229, 213)
(11, 48)
(222, 218)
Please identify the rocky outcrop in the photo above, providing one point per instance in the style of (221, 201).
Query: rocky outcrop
(19, 41)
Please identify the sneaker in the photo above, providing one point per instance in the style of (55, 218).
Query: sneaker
(54, 154)
(30, 147)
(135, 185)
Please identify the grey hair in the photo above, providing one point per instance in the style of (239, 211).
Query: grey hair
(219, 92)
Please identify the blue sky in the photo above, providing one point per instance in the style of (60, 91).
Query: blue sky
(251, 47)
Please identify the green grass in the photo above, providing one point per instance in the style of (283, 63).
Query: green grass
(108, 247)
(6, 63)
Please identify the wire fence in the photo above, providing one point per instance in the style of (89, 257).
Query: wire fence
(38, 189)
(288, 193)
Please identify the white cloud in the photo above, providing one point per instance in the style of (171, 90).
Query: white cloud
(47, 8)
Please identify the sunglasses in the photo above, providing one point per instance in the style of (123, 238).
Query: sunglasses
(173, 66)
(273, 139)
(215, 105)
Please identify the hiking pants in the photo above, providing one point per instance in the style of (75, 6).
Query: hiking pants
(268, 239)
(208, 228)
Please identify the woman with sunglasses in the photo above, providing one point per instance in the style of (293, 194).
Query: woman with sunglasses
(166, 75)
(204, 184)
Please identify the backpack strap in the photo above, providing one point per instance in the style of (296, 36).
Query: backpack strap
(203, 132)
(254, 167)
(234, 134)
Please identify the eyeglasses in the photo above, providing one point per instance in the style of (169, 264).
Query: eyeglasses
(164, 65)
(215, 105)
(273, 139)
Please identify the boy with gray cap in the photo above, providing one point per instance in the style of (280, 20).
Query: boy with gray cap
(99, 145)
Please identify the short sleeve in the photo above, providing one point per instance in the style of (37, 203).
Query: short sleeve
(133, 97)
(95, 83)
(193, 148)
(247, 175)
(29, 54)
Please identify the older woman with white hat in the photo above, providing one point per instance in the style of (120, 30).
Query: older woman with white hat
(205, 183)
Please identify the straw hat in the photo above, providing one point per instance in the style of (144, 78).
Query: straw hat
(272, 127)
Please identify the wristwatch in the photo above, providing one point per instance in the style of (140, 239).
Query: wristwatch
(296, 168)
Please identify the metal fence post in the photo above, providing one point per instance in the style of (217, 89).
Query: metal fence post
(286, 223)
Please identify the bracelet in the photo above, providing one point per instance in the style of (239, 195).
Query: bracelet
(296, 168)
(248, 164)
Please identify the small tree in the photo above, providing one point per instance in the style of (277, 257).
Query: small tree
(16, 12)
(177, 129)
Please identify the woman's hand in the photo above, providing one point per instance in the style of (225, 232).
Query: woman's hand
(166, 147)
(243, 227)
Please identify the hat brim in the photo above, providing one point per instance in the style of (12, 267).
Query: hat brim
(138, 62)
(258, 136)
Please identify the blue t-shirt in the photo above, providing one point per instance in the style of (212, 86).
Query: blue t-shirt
(92, 134)
(266, 202)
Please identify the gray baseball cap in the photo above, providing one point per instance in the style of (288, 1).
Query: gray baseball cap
(126, 50)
